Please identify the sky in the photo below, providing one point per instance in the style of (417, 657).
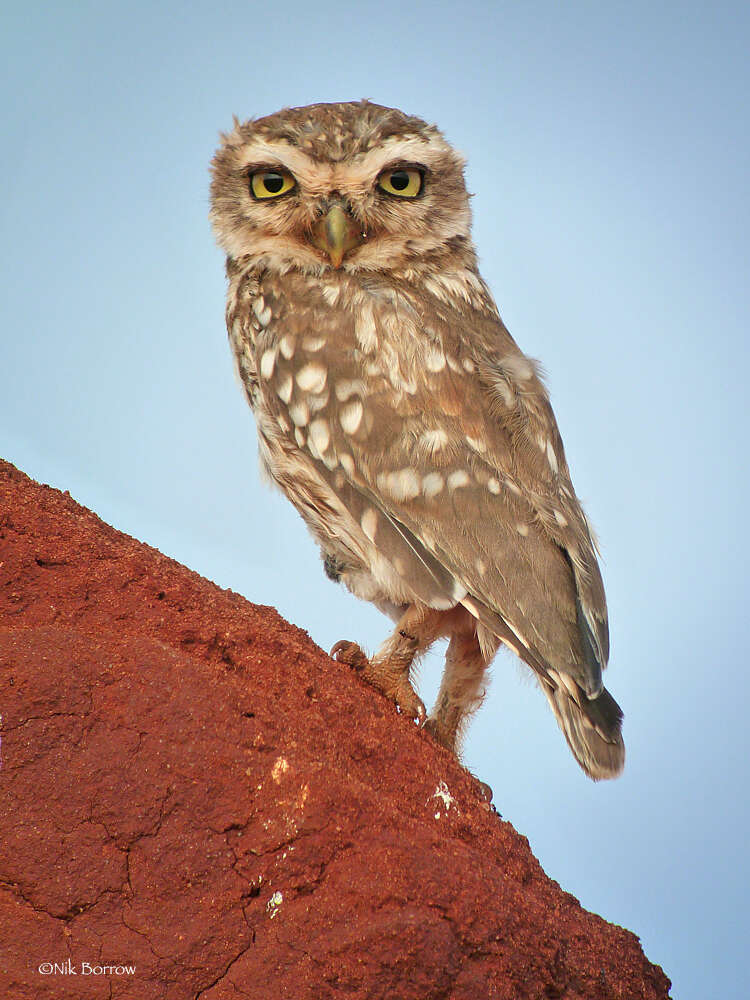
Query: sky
(608, 150)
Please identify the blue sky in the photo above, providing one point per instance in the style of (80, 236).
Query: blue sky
(608, 153)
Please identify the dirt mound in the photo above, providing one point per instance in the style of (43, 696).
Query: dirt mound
(198, 802)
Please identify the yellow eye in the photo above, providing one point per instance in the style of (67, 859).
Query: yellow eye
(271, 183)
(403, 182)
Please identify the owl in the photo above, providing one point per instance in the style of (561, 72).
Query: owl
(396, 412)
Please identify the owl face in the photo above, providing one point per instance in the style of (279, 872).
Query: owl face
(350, 186)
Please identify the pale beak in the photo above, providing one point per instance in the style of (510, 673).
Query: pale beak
(336, 233)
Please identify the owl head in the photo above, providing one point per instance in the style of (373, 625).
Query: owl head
(352, 186)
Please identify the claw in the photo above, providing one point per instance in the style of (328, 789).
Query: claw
(407, 700)
(349, 653)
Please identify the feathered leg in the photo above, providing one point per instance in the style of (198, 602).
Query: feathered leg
(462, 689)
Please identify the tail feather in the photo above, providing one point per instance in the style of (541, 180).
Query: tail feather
(591, 726)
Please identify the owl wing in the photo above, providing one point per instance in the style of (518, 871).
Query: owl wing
(468, 483)
(443, 460)
(519, 503)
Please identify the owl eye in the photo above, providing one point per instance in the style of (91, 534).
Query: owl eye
(404, 182)
(271, 183)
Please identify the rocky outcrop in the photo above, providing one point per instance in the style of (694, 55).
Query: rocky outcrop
(198, 803)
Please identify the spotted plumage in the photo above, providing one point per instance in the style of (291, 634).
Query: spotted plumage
(400, 418)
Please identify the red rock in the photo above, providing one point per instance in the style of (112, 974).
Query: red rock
(193, 788)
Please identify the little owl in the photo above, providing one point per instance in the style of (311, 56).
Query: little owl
(400, 418)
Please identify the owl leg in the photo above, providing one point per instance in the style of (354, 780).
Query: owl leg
(389, 669)
(462, 689)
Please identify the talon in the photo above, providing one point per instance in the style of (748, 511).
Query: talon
(408, 701)
(349, 653)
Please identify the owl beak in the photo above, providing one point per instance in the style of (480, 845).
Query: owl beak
(336, 233)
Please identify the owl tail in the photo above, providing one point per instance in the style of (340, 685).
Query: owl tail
(592, 726)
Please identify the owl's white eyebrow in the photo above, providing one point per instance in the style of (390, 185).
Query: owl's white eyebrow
(308, 171)
(400, 151)
(358, 173)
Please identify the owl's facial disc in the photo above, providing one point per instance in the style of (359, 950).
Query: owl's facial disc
(336, 233)
(332, 193)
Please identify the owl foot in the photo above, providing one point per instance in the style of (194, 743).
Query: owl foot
(387, 679)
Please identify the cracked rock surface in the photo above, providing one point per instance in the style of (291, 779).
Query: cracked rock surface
(191, 787)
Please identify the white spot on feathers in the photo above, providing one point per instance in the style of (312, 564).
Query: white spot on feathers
(299, 414)
(434, 359)
(287, 345)
(364, 329)
(312, 377)
(432, 484)
(369, 523)
(552, 457)
(313, 344)
(350, 416)
(458, 478)
(433, 440)
(285, 386)
(267, 362)
(320, 434)
(404, 484)
(262, 311)
(476, 444)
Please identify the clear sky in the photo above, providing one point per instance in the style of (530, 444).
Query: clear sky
(608, 152)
